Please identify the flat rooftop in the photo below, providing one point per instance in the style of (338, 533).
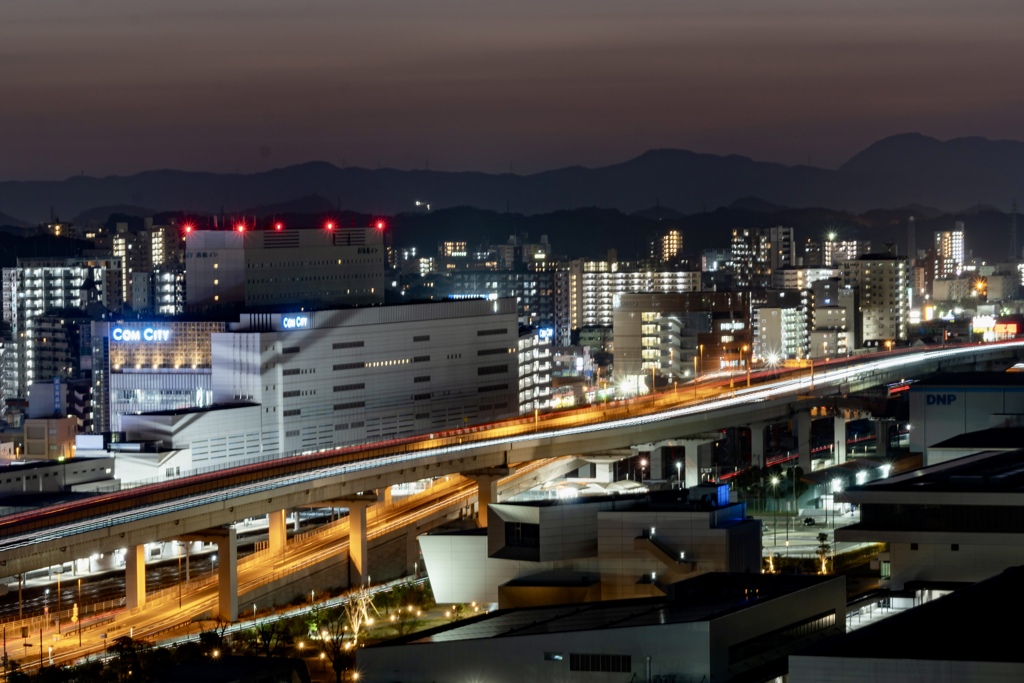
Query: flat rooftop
(692, 600)
(962, 626)
(971, 379)
(998, 438)
(987, 472)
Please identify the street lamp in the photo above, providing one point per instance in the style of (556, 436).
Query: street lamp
(750, 355)
(643, 464)
(177, 551)
(775, 510)
(80, 615)
(679, 473)
(837, 486)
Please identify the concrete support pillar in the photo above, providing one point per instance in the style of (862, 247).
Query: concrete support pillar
(839, 439)
(486, 489)
(387, 495)
(486, 493)
(654, 468)
(278, 524)
(691, 460)
(882, 429)
(227, 575)
(605, 472)
(357, 546)
(757, 448)
(802, 436)
(135, 576)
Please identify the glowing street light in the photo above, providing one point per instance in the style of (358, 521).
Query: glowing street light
(775, 511)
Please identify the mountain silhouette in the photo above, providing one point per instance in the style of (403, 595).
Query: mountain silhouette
(894, 172)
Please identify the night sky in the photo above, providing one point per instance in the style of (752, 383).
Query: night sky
(118, 86)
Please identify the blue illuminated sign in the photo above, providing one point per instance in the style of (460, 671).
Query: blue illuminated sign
(295, 322)
(149, 334)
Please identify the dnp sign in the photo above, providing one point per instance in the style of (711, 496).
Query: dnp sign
(940, 399)
(295, 322)
(149, 334)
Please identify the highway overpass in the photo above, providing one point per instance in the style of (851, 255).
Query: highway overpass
(193, 505)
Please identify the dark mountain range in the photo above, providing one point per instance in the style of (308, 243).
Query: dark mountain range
(100, 214)
(897, 171)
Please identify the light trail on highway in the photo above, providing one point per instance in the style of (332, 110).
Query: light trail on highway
(518, 431)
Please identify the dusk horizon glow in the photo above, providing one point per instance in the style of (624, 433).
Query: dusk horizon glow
(111, 87)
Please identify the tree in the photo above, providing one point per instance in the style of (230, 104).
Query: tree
(273, 638)
(823, 550)
(126, 660)
(212, 640)
(340, 629)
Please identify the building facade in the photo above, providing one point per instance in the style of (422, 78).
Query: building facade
(670, 333)
(274, 268)
(881, 281)
(37, 286)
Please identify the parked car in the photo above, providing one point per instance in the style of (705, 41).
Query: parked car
(809, 521)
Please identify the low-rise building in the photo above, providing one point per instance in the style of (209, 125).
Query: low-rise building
(959, 637)
(953, 523)
(717, 627)
(627, 546)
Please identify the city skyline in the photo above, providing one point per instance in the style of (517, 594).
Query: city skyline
(114, 87)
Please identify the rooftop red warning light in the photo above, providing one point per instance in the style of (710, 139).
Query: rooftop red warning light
(380, 225)
(188, 228)
(329, 225)
(240, 227)
(278, 226)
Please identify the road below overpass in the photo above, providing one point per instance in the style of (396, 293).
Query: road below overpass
(191, 505)
(177, 609)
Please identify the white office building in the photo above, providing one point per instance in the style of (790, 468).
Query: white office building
(287, 383)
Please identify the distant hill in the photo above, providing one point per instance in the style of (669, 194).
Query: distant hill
(12, 221)
(100, 214)
(898, 171)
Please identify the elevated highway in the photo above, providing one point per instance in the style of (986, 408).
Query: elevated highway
(191, 505)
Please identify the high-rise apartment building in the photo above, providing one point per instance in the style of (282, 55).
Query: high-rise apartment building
(142, 252)
(758, 252)
(38, 286)
(837, 251)
(949, 252)
(586, 291)
(834, 311)
(671, 246)
(800, 278)
(881, 281)
(673, 333)
(779, 333)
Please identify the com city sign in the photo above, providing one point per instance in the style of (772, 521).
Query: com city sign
(295, 322)
(148, 334)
